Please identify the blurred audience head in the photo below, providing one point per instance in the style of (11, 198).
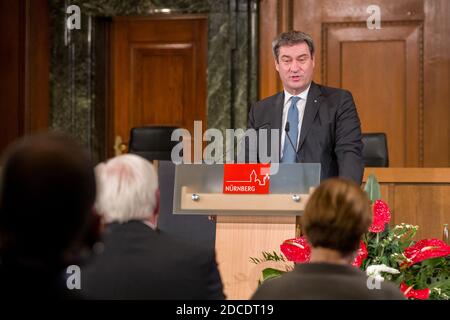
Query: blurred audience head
(127, 190)
(336, 216)
(47, 194)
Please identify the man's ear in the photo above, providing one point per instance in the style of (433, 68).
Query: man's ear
(157, 198)
(277, 66)
(154, 217)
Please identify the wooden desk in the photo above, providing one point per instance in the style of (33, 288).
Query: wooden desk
(237, 239)
(419, 196)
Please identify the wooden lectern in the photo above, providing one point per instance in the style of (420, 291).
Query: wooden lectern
(247, 224)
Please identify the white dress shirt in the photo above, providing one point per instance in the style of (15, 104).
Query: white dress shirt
(301, 111)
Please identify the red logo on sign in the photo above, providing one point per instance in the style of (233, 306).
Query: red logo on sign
(246, 178)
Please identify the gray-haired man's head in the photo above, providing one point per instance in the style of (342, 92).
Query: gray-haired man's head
(291, 38)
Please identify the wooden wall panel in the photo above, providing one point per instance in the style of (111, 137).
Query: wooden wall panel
(382, 69)
(12, 70)
(422, 204)
(418, 196)
(172, 67)
(437, 83)
(37, 105)
(379, 83)
(427, 206)
(24, 78)
(268, 30)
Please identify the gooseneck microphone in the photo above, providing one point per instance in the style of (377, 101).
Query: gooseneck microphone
(286, 128)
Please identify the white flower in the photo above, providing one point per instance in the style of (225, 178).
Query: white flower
(375, 270)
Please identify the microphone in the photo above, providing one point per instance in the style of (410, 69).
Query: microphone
(286, 128)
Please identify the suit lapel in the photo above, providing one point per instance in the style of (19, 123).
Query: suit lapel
(276, 121)
(278, 114)
(311, 108)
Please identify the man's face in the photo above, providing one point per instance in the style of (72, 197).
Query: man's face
(296, 67)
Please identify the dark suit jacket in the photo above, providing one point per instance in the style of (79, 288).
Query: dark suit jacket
(140, 263)
(330, 133)
(320, 281)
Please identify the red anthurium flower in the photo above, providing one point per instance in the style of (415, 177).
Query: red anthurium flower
(381, 216)
(361, 255)
(409, 292)
(296, 250)
(426, 249)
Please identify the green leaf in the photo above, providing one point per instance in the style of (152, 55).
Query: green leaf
(271, 273)
(372, 188)
(432, 262)
(255, 260)
(274, 256)
(267, 256)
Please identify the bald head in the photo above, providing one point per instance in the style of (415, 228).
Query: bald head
(47, 192)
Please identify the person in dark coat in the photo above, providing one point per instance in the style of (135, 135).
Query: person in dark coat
(138, 261)
(46, 220)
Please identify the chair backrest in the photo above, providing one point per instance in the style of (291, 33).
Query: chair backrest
(375, 150)
(152, 142)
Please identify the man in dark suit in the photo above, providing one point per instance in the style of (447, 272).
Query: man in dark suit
(321, 122)
(336, 217)
(138, 261)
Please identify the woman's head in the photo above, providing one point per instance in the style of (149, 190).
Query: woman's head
(336, 216)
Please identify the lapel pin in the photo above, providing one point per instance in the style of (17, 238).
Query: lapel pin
(315, 100)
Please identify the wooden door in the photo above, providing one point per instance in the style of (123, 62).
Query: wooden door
(398, 75)
(158, 73)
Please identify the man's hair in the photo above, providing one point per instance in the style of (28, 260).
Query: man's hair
(291, 38)
(47, 194)
(336, 216)
(127, 189)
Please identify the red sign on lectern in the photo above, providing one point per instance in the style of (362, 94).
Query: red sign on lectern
(253, 178)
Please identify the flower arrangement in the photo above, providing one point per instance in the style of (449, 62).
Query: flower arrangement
(421, 269)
